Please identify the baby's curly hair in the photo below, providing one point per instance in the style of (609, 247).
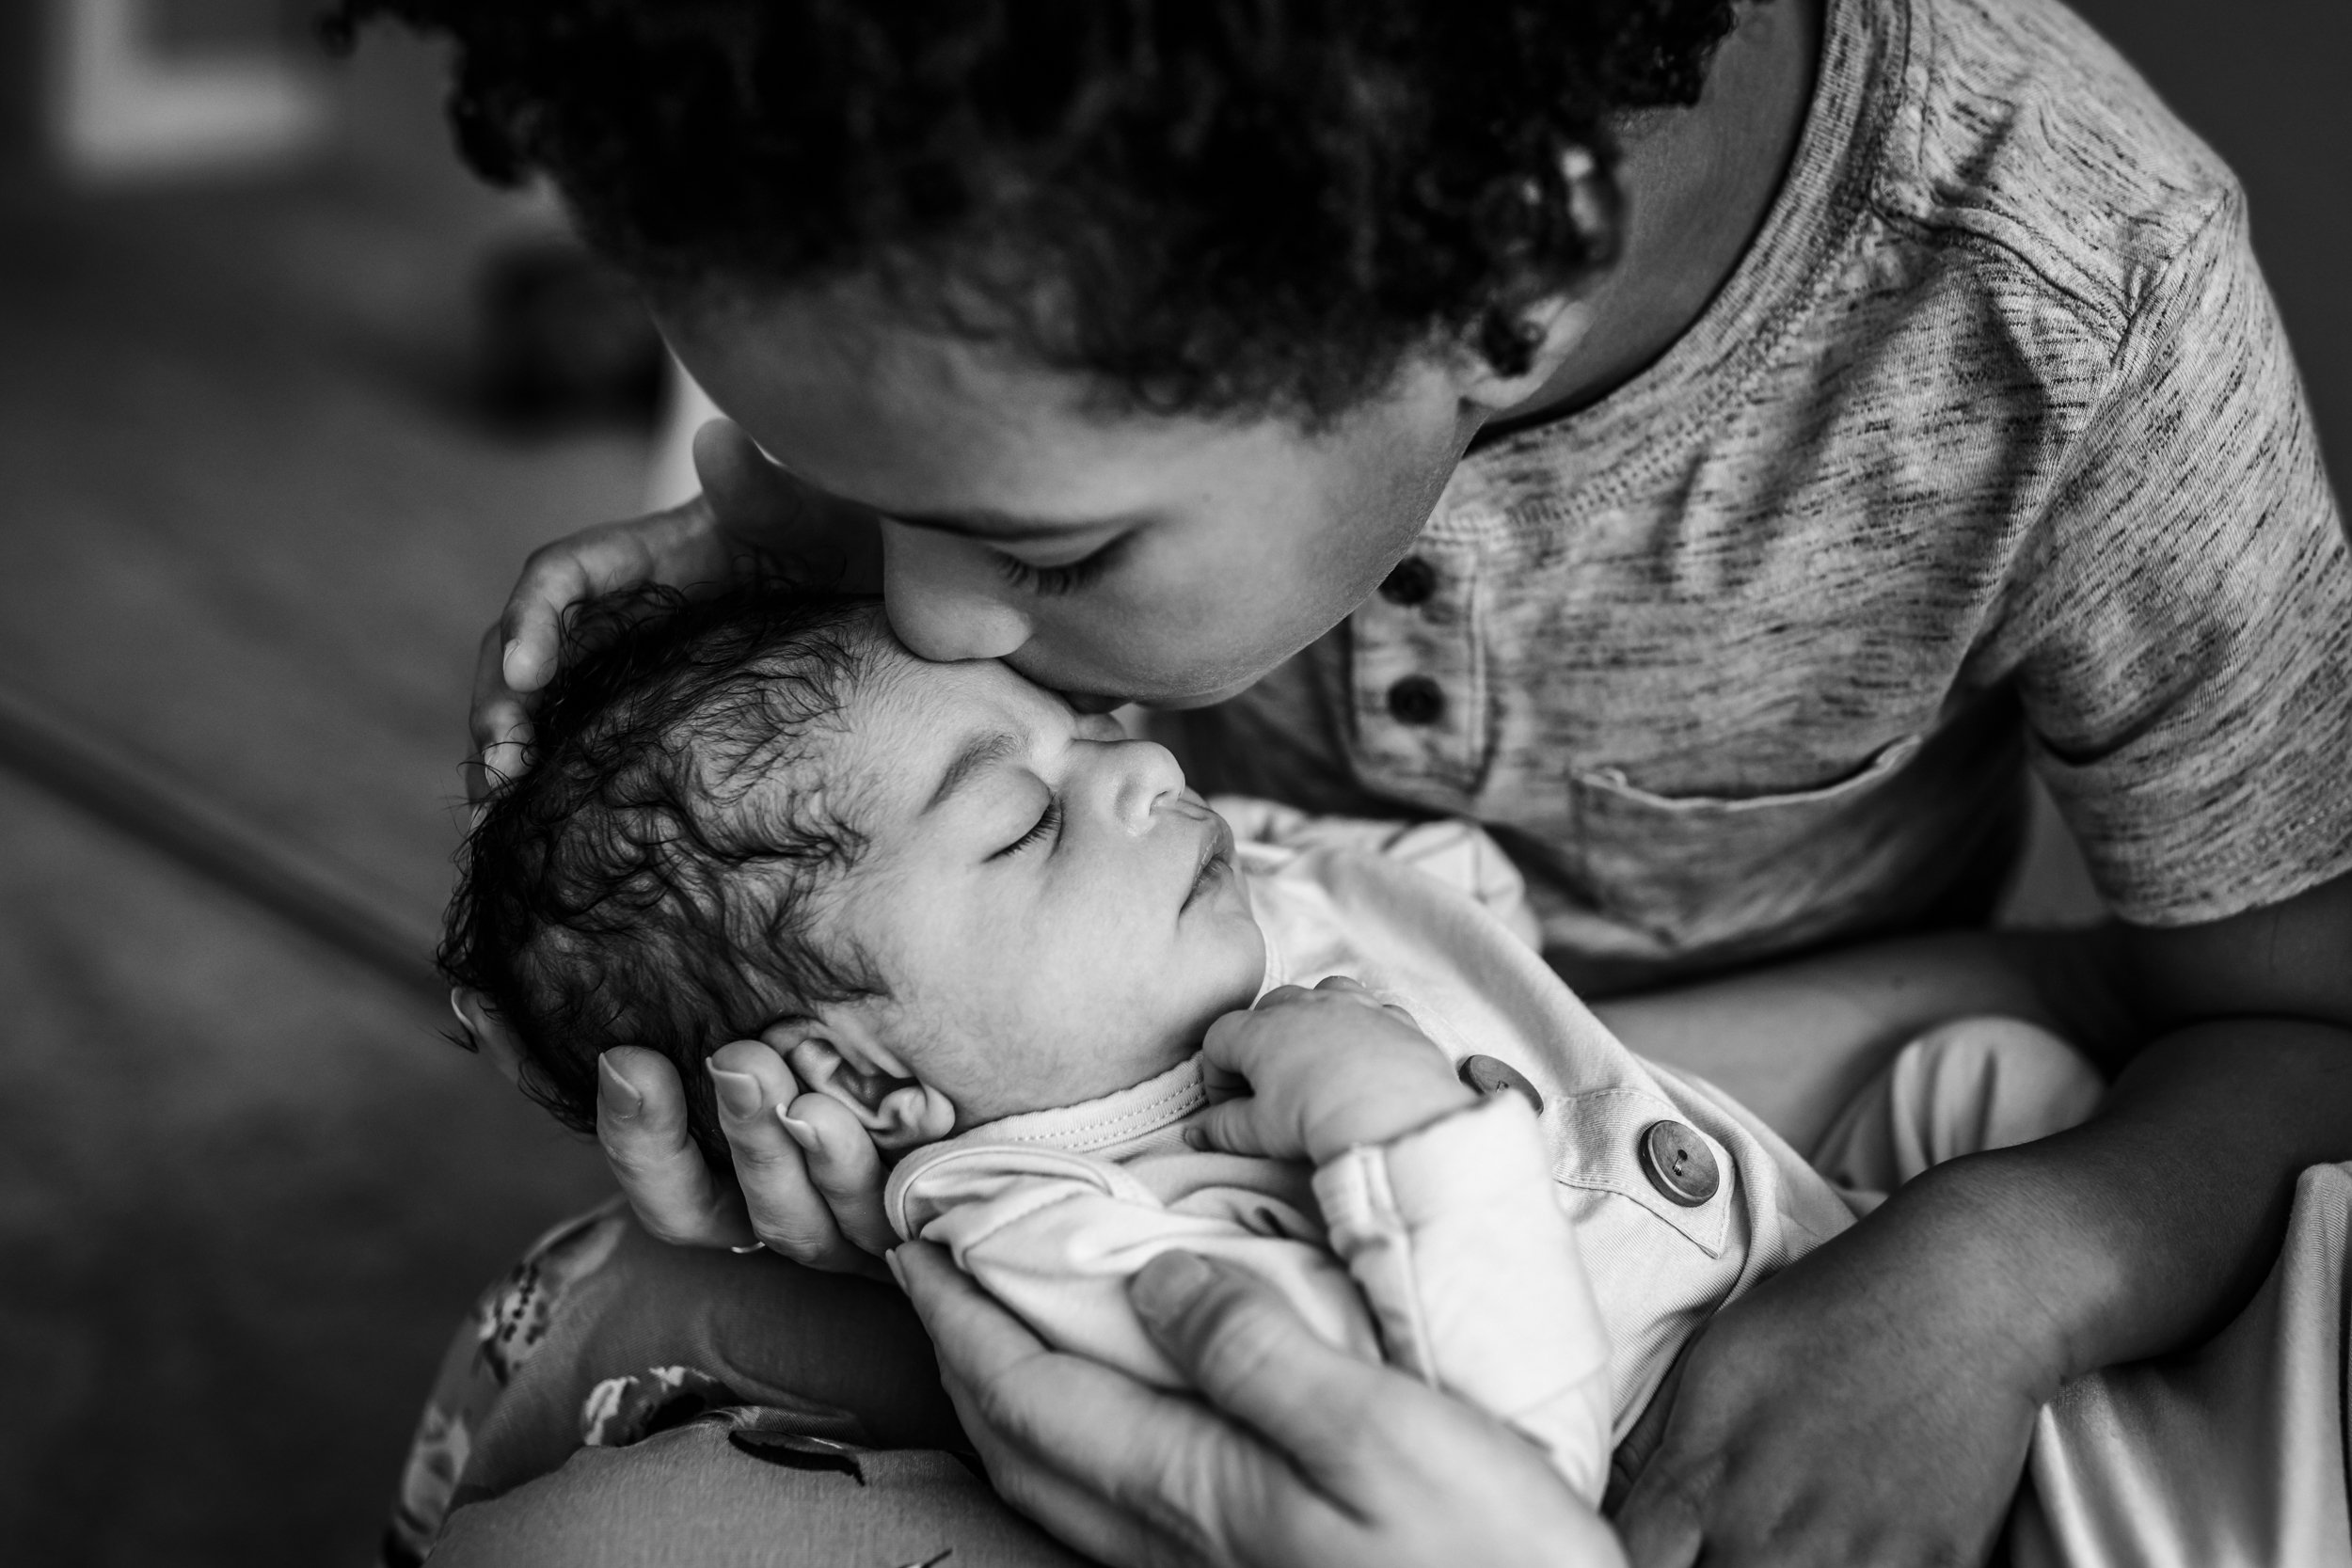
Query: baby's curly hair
(650, 879)
(1212, 206)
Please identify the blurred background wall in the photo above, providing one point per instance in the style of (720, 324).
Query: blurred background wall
(284, 400)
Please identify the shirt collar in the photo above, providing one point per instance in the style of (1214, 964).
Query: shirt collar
(1117, 1126)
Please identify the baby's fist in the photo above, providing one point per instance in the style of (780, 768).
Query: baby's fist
(1327, 1069)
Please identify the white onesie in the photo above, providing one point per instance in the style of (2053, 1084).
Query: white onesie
(1544, 1268)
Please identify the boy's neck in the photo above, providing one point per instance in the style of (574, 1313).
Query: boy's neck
(1698, 183)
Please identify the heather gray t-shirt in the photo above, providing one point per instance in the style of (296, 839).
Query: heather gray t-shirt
(1992, 449)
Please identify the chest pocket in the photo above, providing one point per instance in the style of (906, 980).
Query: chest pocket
(1696, 869)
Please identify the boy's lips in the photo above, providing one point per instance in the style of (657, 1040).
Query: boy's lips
(1216, 851)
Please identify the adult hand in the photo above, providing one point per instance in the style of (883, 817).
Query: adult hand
(1325, 1070)
(746, 502)
(1871, 1405)
(809, 1180)
(1301, 1457)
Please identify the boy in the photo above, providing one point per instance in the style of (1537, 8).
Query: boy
(1719, 494)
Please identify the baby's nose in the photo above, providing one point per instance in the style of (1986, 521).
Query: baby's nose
(1148, 775)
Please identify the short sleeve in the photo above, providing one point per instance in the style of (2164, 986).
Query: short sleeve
(2187, 611)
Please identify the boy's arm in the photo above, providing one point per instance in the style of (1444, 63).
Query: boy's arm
(1803, 1423)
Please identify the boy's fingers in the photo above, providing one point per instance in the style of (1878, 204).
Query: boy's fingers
(499, 723)
(746, 490)
(847, 1170)
(531, 629)
(640, 1121)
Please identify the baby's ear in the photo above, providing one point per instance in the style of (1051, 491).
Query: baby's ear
(842, 1063)
(487, 1032)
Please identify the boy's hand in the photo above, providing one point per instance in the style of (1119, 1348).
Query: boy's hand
(1325, 1070)
(809, 1188)
(745, 498)
(1873, 1404)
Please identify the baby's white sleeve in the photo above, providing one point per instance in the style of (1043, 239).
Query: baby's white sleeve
(1057, 1240)
(1473, 1270)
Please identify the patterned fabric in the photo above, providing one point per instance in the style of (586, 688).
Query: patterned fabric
(1992, 449)
(508, 1326)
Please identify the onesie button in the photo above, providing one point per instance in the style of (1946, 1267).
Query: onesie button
(1490, 1076)
(1417, 700)
(1411, 583)
(1678, 1164)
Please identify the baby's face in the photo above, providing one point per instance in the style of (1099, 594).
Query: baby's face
(1055, 915)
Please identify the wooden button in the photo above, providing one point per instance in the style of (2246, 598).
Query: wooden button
(1489, 1075)
(1678, 1164)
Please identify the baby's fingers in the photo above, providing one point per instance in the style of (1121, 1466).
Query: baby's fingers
(1241, 1127)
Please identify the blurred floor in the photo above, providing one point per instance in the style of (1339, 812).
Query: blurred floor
(248, 535)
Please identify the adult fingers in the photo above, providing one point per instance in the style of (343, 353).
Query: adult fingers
(847, 1171)
(751, 1083)
(640, 1121)
(1150, 1477)
(1256, 1359)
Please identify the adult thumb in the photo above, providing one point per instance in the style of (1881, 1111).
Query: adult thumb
(1250, 1355)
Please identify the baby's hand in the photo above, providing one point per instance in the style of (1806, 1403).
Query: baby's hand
(1327, 1069)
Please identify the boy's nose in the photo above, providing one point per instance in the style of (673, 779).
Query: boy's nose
(945, 601)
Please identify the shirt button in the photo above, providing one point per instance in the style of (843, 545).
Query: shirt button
(1411, 583)
(1417, 700)
(1678, 1164)
(1489, 1075)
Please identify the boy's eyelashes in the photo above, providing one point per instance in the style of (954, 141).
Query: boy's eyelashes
(1050, 581)
(1046, 826)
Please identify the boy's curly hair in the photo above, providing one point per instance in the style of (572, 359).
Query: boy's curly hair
(1214, 206)
(649, 881)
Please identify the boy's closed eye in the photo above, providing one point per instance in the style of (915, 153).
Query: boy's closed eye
(1051, 581)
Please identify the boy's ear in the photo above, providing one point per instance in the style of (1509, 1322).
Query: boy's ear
(1560, 322)
(489, 1036)
(845, 1063)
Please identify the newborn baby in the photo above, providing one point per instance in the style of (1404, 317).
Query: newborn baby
(999, 932)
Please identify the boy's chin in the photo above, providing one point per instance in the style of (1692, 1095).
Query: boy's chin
(1205, 699)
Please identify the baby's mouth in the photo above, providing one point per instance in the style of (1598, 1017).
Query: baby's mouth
(1216, 855)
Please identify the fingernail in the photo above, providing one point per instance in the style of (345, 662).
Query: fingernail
(897, 1270)
(1169, 1284)
(620, 1097)
(802, 1133)
(739, 1092)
